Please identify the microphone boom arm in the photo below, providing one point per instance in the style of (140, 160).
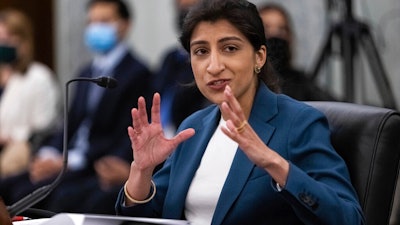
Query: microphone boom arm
(42, 192)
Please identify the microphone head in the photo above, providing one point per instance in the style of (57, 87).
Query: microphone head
(106, 82)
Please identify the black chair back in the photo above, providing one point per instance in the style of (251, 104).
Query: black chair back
(368, 138)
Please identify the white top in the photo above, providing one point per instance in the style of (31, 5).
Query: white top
(210, 177)
(29, 103)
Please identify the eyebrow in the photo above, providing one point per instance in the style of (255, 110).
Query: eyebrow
(219, 41)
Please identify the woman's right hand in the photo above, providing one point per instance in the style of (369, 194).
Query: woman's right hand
(149, 144)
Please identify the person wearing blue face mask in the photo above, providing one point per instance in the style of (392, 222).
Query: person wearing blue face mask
(99, 151)
(101, 37)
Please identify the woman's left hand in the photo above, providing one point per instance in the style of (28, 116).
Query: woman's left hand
(239, 130)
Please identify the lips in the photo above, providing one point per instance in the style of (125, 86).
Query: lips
(218, 84)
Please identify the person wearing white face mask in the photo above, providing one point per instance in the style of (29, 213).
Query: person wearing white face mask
(99, 152)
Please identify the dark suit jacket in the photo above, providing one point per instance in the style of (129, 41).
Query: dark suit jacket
(318, 188)
(108, 132)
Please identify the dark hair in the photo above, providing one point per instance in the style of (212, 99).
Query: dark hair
(123, 10)
(289, 28)
(241, 14)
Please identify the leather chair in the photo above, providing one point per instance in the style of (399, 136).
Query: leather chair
(368, 138)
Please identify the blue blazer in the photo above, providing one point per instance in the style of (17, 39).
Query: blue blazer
(318, 188)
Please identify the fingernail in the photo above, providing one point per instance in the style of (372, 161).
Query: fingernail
(228, 90)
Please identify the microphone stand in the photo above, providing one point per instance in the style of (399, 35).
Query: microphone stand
(42, 192)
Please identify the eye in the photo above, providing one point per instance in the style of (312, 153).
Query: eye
(200, 51)
(230, 48)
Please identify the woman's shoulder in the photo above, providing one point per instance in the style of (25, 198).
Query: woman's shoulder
(38, 74)
(293, 107)
(39, 70)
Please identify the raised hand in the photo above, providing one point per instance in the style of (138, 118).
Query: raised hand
(256, 150)
(149, 144)
(238, 129)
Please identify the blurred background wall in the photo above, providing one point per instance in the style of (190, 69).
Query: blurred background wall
(154, 31)
(60, 23)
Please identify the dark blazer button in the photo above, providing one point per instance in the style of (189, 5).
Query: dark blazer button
(308, 200)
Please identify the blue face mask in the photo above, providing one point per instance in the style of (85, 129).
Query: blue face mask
(101, 37)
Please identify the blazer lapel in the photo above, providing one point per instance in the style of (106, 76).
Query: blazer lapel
(264, 109)
(184, 172)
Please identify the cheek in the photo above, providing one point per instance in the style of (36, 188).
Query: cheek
(245, 71)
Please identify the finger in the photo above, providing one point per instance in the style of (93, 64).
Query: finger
(238, 134)
(229, 129)
(232, 116)
(132, 136)
(155, 109)
(183, 136)
(135, 118)
(142, 112)
(228, 132)
(131, 132)
(234, 110)
(232, 101)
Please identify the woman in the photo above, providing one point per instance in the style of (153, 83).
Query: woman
(280, 38)
(278, 27)
(29, 102)
(254, 157)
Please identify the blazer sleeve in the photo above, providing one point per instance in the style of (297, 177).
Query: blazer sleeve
(318, 186)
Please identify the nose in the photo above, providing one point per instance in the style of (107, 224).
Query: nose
(215, 66)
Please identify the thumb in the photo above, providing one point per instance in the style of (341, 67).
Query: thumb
(183, 136)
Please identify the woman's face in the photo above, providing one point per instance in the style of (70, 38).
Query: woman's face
(5, 37)
(275, 24)
(8, 39)
(221, 55)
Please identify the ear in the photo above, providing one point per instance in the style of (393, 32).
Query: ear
(124, 27)
(261, 56)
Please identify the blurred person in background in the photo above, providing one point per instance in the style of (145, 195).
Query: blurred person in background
(99, 157)
(175, 80)
(29, 105)
(280, 38)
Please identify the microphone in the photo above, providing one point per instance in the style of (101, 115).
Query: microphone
(106, 82)
(42, 192)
